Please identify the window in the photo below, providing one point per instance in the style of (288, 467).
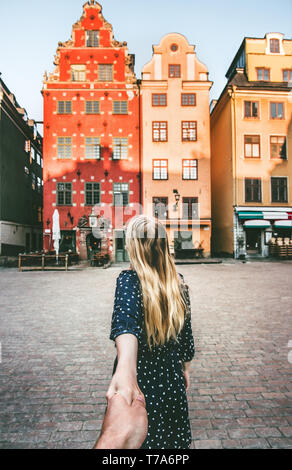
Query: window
(26, 171)
(263, 74)
(279, 189)
(277, 110)
(64, 147)
(174, 70)
(253, 190)
(92, 107)
(39, 184)
(120, 148)
(160, 208)
(274, 45)
(38, 158)
(190, 169)
(189, 131)
(174, 47)
(252, 146)
(159, 99)
(92, 38)
(78, 73)
(190, 208)
(64, 194)
(92, 194)
(278, 146)
(251, 109)
(287, 75)
(159, 131)
(33, 181)
(92, 147)
(105, 72)
(64, 107)
(120, 107)
(159, 169)
(188, 99)
(121, 194)
(40, 218)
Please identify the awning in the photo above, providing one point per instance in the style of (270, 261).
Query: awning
(275, 215)
(283, 224)
(250, 215)
(257, 223)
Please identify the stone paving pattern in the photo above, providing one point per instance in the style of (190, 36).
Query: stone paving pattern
(57, 358)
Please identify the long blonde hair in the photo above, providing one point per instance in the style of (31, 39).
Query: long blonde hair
(163, 298)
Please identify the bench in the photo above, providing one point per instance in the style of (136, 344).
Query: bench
(189, 253)
(99, 258)
(45, 261)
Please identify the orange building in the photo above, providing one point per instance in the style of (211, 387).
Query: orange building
(176, 143)
(91, 138)
(251, 149)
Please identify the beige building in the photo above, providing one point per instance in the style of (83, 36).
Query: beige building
(175, 120)
(251, 149)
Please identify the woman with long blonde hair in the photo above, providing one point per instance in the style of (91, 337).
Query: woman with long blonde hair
(151, 327)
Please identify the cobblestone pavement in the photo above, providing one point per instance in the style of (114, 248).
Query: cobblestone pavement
(57, 358)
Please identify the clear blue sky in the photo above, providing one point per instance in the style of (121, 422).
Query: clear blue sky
(30, 32)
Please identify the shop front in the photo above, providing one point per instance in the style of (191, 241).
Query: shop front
(254, 227)
(256, 235)
(282, 229)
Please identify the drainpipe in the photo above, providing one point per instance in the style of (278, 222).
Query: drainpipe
(140, 149)
(231, 93)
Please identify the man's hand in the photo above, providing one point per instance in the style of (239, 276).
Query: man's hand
(124, 426)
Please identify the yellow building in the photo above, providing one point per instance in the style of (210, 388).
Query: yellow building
(251, 148)
(175, 120)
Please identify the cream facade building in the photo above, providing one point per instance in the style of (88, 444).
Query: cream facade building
(176, 184)
(251, 149)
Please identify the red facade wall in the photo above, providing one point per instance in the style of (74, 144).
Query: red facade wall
(78, 125)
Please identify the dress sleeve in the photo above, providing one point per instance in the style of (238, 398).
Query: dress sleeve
(187, 346)
(127, 312)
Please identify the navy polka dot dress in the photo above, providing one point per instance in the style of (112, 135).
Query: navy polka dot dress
(159, 372)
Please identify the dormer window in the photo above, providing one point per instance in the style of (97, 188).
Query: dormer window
(274, 43)
(92, 38)
(274, 46)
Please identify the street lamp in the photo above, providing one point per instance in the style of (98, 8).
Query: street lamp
(93, 219)
(177, 198)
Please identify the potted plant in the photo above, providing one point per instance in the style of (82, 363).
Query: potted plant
(241, 246)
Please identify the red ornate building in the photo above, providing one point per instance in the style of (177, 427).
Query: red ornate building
(92, 171)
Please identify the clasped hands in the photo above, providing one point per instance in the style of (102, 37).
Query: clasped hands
(125, 424)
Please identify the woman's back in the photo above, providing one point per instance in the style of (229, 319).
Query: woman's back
(159, 369)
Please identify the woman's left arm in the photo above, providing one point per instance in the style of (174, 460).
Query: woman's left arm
(124, 380)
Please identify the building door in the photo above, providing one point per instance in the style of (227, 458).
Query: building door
(254, 241)
(68, 241)
(121, 253)
(183, 243)
(40, 241)
(27, 242)
(93, 245)
(33, 242)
